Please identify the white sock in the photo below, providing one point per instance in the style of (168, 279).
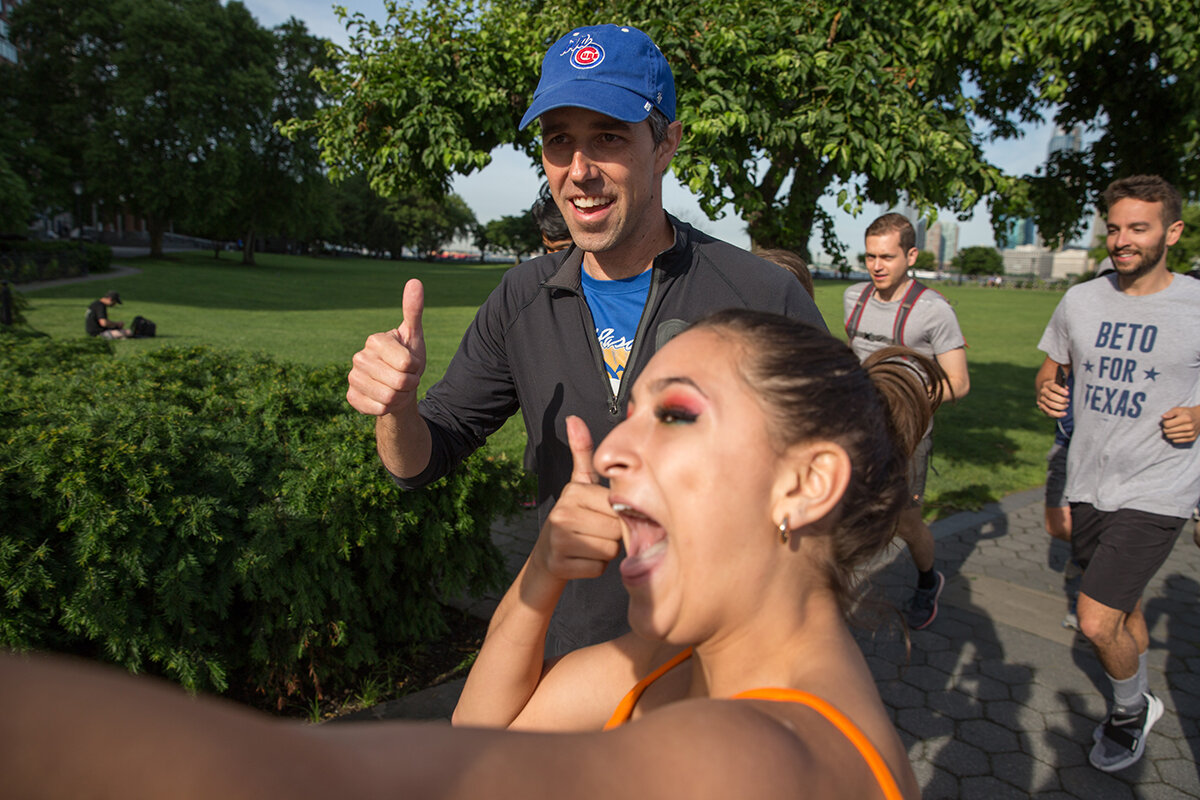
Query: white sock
(1127, 699)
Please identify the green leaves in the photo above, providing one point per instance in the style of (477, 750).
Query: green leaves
(221, 520)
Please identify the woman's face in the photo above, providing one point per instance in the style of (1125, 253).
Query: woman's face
(693, 474)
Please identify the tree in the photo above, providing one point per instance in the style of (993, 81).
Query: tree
(272, 184)
(429, 223)
(141, 99)
(386, 226)
(482, 239)
(1127, 71)
(978, 261)
(516, 234)
(15, 206)
(926, 261)
(780, 106)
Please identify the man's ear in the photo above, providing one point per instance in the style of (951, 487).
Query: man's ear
(813, 478)
(1174, 231)
(665, 150)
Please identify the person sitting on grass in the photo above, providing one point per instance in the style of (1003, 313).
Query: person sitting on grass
(759, 467)
(97, 323)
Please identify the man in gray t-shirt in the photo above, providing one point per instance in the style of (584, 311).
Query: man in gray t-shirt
(880, 313)
(1132, 340)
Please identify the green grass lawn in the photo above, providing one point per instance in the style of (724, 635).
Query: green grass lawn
(310, 310)
(320, 311)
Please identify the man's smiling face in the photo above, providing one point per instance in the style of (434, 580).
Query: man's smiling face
(1137, 236)
(606, 177)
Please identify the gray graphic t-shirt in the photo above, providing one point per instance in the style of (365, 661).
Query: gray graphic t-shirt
(1133, 358)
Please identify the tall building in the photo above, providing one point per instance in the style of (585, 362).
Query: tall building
(1021, 232)
(949, 241)
(1069, 140)
(933, 243)
(8, 51)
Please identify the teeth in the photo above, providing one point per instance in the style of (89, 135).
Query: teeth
(653, 550)
(628, 511)
(590, 202)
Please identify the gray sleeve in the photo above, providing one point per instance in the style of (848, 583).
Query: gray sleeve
(944, 331)
(1056, 340)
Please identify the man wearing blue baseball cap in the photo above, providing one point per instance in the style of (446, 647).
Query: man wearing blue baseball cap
(565, 334)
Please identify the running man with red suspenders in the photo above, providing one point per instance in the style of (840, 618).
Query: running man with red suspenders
(896, 309)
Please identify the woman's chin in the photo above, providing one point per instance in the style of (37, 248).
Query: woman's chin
(649, 620)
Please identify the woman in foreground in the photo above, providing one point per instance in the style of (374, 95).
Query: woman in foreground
(759, 466)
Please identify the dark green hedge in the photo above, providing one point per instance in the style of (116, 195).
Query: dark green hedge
(24, 261)
(221, 519)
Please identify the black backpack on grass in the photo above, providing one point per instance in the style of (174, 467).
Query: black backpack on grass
(143, 327)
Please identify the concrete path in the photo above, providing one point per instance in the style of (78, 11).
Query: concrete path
(117, 270)
(996, 699)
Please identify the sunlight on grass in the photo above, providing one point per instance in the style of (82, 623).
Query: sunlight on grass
(319, 311)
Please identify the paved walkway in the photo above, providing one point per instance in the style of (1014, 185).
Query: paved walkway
(996, 699)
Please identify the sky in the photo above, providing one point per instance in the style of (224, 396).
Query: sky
(510, 183)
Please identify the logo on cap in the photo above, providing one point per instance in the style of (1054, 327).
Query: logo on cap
(586, 54)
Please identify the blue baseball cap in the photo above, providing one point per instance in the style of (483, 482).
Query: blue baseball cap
(612, 69)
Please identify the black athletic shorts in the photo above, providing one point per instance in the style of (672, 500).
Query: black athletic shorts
(1120, 551)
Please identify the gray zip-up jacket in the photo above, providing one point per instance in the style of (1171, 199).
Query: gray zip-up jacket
(532, 346)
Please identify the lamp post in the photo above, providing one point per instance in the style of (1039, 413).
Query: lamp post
(77, 187)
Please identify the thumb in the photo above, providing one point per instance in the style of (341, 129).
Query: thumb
(579, 439)
(410, 331)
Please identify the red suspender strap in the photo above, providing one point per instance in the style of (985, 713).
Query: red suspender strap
(856, 314)
(910, 297)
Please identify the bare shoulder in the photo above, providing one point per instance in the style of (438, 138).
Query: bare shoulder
(580, 690)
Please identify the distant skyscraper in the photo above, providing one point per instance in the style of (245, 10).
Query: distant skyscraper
(933, 242)
(1071, 141)
(949, 241)
(1021, 232)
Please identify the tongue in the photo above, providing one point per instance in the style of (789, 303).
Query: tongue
(636, 565)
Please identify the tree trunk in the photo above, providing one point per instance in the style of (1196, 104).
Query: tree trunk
(156, 229)
(789, 225)
(248, 247)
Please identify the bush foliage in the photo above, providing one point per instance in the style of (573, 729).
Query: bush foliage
(221, 519)
(24, 261)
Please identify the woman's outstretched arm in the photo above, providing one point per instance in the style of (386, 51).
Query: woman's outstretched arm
(72, 729)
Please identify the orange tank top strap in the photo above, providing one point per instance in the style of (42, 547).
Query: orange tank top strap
(879, 768)
(625, 707)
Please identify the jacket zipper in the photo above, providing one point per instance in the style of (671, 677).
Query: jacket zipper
(614, 400)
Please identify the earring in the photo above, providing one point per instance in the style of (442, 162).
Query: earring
(783, 530)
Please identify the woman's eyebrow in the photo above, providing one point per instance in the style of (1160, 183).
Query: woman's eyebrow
(671, 380)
